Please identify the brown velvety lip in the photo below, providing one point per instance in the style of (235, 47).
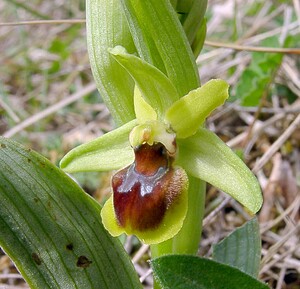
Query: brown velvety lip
(144, 190)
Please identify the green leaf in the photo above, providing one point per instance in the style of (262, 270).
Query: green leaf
(52, 230)
(106, 28)
(188, 113)
(155, 87)
(174, 3)
(241, 249)
(199, 40)
(155, 27)
(145, 45)
(193, 14)
(206, 157)
(108, 152)
(184, 271)
(192, 226)
(258, 75)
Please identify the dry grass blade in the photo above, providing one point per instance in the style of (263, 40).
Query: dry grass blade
(274, 222)
(13, 287)
(274, 249)
(253, 49)
(41, 22)
(50, 110)
(277, 144)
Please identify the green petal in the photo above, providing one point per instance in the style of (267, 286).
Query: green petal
(108, 152)
(189, 112)
(206, 157)
(107, 27)
(155, 87)
(143, 111)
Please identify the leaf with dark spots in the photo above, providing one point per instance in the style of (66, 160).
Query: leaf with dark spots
(43, 165)
(36, 258)
(43, 215)
(83, 262)
(70, 247)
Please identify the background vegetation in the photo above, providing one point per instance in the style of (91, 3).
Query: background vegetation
(49, 102)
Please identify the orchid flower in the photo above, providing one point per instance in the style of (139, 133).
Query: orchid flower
(157, 151)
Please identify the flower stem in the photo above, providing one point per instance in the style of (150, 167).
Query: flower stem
(188, 238)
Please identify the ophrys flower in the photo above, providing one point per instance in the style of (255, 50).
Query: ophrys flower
(156, 151)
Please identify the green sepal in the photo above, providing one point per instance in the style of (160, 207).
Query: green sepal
(155, 87)
(205, 156)
(108, 152)
(143, 111)
(188, 113)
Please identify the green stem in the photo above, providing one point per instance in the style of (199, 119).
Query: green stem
(188, 238)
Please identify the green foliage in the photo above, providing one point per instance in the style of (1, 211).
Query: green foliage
(60, 48)
(106, 28)
(52, 230)
(285, 92)
(258, 75)
(255, 8)
(184, 271)
(161, 41)
(192, 15)
(241, 249)
(198, 42)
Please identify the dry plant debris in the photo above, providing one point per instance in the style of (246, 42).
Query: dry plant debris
(48, 101)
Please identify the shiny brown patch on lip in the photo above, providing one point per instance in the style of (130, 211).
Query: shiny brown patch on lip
(144, 190)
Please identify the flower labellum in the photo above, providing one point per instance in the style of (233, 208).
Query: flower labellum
(149, 196)
(147, 188)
